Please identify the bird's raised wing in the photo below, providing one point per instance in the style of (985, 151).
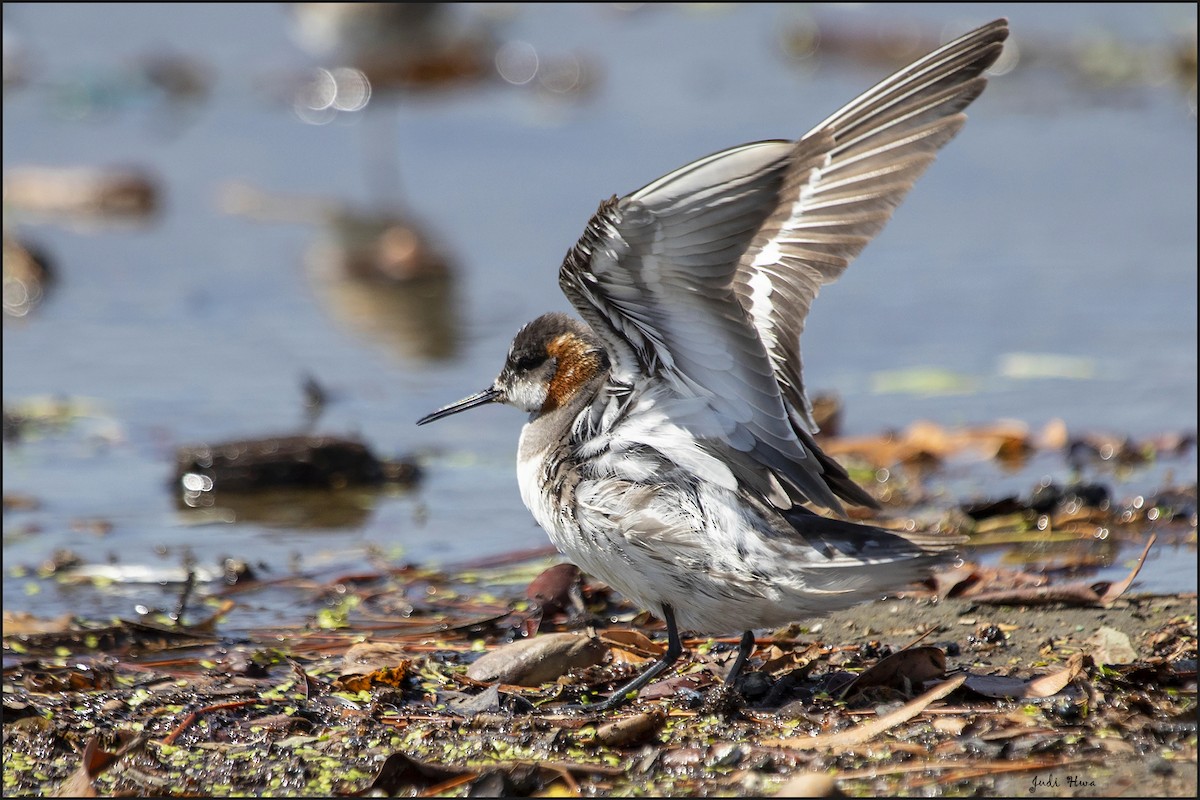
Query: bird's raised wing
(844, 180)
(702, 279)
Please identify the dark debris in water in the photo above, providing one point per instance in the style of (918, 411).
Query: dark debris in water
(298, 462)
(303, 481)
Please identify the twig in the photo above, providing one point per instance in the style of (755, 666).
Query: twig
(191, 718)
(1117, 589)
(867, 731)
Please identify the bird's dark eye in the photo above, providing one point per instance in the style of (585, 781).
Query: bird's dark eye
(530, 361)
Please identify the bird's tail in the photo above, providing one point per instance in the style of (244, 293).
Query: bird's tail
(855, 562)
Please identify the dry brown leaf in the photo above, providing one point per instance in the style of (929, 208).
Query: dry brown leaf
(1002, 686)
(776, 660)
(634, 641)
(902, 670)
(631, 730)
(622, 656)
(386, 676)
(1055, 682)
(925, 441)
(951, 725)
(1111, 646)
(532, 662)
(1074, 594)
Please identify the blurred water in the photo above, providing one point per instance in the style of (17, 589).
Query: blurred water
(1058, 229)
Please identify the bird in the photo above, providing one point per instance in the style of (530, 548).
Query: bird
(669, 448)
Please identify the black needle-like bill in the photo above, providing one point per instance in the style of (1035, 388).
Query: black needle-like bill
(488, 395)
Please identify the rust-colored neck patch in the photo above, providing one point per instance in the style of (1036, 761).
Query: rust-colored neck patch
(577, 363)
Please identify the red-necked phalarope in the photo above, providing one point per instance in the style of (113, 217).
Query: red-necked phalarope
(669, 446)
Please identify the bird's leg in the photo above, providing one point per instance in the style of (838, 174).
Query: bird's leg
(674, 650)
(745, 648)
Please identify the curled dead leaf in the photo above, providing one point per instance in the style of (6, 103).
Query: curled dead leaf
(93, 761)
(1001, 686)
(634, 641)
(903, 670)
